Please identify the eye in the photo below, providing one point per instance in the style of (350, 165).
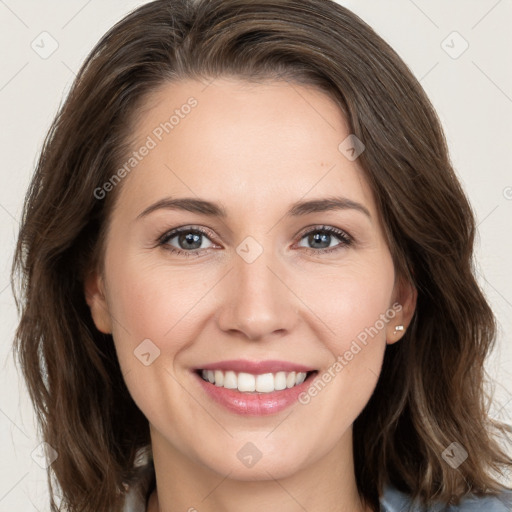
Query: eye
(321, 239)
(186, 240)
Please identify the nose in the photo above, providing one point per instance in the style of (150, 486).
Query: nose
(258, 302)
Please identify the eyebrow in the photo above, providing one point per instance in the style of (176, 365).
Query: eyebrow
(213, 209)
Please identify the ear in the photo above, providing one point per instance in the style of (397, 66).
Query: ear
(405, 294)
(94, 290)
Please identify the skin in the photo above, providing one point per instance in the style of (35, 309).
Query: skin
(255, 149)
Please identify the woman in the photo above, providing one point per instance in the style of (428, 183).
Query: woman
(246, 257)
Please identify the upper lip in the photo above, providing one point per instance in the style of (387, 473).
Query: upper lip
(257, 367)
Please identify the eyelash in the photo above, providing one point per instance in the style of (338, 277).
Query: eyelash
(345, 239)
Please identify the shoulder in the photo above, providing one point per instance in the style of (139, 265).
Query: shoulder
(393, 500)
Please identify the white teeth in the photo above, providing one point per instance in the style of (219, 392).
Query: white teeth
(299, 379)
(249, 383)
(230, 380)
(246, 382)
(265, 383)
(280, 381)
(219, 378)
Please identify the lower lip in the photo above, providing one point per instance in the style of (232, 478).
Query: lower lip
(254, 404)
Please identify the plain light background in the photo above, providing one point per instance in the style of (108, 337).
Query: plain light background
(472, 93)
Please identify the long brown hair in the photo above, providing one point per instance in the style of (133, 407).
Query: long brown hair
(431, 390)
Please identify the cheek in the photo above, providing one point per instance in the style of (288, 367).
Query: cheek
(155, 311)
(355, 308)
(352, 301)
(150, 300)
(155, 303)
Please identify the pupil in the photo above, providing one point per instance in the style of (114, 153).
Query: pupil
(322, 238)
(191, 238)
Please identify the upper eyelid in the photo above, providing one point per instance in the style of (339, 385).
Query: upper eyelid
(323, 227)
(171, 233)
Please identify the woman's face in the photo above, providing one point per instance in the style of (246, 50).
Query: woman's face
(276, 277)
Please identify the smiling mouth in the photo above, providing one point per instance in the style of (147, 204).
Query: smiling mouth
(255, 383)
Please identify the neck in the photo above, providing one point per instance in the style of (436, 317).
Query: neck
(327, 484)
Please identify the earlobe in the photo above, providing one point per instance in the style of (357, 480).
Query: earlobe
(94, 290)
(406, 296)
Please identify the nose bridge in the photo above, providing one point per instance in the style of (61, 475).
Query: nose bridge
(257, 302)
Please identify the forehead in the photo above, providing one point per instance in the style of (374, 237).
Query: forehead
(246, 144)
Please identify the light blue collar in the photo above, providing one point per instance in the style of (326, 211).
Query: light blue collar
(392, 500)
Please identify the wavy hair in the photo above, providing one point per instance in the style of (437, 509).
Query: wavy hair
(431, 391)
